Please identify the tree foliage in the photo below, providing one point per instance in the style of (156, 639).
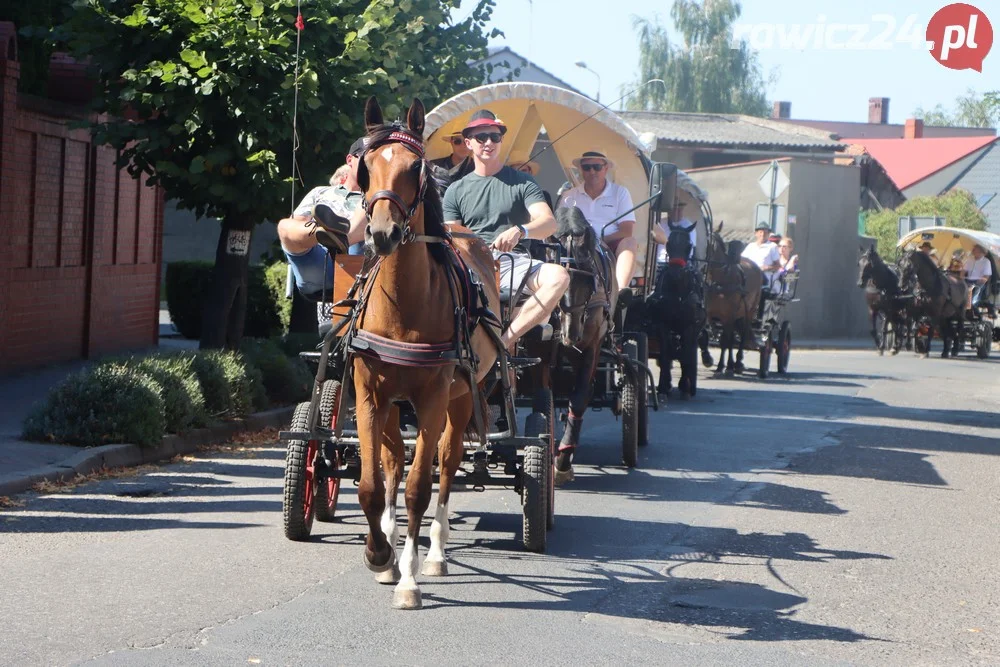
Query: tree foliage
(971, 110)
(708, 72)
(199, 95)
(957, 207)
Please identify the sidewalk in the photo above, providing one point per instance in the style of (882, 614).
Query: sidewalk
(19, 393)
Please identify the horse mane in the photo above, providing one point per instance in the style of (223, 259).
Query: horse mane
(433, 208)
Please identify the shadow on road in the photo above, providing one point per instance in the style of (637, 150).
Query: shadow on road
(613, 577)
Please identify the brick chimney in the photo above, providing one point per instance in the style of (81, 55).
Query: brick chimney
(878, 110)
(781, 110)
(914, 128)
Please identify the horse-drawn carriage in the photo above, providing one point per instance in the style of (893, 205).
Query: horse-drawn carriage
(588, 358)
(949, 250)
(328, 437)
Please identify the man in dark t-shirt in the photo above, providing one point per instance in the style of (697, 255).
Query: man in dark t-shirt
(504, 206)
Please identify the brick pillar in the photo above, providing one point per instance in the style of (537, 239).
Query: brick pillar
(10, 73)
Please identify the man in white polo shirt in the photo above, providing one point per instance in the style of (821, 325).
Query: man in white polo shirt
(977, 273)
(601, 201)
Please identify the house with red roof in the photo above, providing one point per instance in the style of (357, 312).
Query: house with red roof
(930, 166)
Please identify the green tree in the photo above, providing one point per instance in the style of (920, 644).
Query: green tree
(957, 207)
(708, 72)
(198, 97)
(971, 110)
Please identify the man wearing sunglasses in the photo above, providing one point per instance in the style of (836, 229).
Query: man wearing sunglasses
(459, 151)
(602, 201)
(503, 207)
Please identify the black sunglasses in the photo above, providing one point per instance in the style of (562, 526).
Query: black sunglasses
(495, 137)
(457, 141)
(591, 167)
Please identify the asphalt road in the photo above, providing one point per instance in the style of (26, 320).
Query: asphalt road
(842, 515)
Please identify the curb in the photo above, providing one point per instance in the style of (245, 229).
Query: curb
(120, 456)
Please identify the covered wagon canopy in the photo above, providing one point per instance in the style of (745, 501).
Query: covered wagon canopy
(951, 242)
(527, 108)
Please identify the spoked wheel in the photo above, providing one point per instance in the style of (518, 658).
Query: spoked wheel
(984, 339)
(784, 350)
(298, 506)
(328, 490)
(642, 397)
(630, 405)
(765, 356)
(541, 422)
(536, 475)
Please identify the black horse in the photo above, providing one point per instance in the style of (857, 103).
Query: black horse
(585, 312)
(676, 314)
(884, 297)
(937, 299)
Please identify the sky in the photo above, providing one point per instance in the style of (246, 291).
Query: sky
(820, 83)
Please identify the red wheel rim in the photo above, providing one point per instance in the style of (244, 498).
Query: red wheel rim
(310, 486)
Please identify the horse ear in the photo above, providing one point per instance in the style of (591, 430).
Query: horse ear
(415, 117)
(373, 114)
(719, 229)
(690, 227)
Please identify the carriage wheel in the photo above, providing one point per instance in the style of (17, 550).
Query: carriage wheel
(630, 406)
(765, 356)
(642, 407)
(328, 491)
(539, 423)
(784, 350)
(536, 472)
(984, 340)
(300, 488)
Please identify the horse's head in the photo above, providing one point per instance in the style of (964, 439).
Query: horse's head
(679, 242)
(715, 249)
(393, 176)
(866, 265)
(579, 240)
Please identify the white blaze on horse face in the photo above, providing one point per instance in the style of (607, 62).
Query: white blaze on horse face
(387, 153)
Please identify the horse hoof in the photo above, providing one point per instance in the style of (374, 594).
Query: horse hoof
(730, 371)
(707, 360)
(390, 576)
(881, 353)
(563, 476)
(388, 565)
(740, 368)
(662, 397)
(406, 598)
(924, 355)
(894, 352)
(434, 568)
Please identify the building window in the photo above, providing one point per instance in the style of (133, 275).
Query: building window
(983, 200)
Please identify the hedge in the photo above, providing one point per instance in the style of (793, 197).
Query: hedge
(106, 404)
(139, 399)
(187, 285)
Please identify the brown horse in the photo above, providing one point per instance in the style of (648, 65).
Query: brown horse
(733, 291)
(409, 311)
(937, 297)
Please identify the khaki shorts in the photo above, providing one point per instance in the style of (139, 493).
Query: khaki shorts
(523, 265)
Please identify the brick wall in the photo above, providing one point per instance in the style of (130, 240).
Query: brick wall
(80, 241)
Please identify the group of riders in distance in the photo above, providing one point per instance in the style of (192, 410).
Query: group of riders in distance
(455, 291)
(915, 297)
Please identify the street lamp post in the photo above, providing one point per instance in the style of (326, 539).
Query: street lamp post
(583, 65)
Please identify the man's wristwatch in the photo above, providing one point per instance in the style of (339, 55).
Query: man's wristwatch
(524, 232)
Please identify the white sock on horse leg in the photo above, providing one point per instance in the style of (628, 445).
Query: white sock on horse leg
(439, 534)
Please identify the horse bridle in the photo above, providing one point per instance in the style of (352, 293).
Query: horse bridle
(586, 305)
(417, 148)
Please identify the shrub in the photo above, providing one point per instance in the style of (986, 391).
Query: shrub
(182, 397)
(243, 381)
(275, 276)
(187, 285)
(109, 403)
(286, 380)
(214, 384)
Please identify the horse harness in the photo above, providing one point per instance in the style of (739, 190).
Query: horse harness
(467, 292)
